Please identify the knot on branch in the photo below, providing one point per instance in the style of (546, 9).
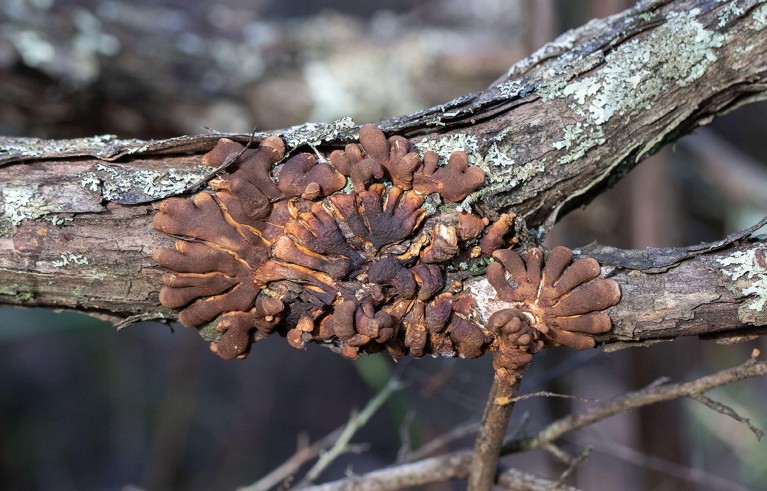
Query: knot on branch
(561, 300)
(362, 271)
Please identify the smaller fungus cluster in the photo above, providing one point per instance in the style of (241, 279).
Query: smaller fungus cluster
(560, 303)
(363, 270)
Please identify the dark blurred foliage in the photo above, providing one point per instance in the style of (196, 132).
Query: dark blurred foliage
(83, 407)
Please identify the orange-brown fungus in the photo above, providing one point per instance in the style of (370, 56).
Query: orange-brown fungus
(363, 271)
(561, 300)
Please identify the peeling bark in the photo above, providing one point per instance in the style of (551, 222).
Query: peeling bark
(557, 129)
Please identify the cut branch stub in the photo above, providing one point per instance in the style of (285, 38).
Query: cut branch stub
(562, 301)
(302, 258)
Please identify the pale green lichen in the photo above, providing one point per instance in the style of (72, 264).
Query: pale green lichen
(579, 141)
(632, 77)
(58, 221)
(122, 184)
(747, 275)
(729, 12)
(446, 145)
(639, 70)
(760, 18)
(21, 201)
(314, 134)
(90, 181)
(70, 259)
(497, 157)
(510, 89)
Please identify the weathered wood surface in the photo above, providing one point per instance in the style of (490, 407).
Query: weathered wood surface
(75, 222)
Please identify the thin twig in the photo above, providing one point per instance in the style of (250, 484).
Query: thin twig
(355, 423)
(574, 463)
(291, 466)
(441, 442)
(517, 480)
(728, 411)
(633, 400)
(455, 465)
(495, 422)
(658, 464)
(404, 436)
(544, 393)
(558, 453)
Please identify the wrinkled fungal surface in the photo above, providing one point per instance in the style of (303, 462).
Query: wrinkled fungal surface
(562, 300)
(362, 271)
(366, 270)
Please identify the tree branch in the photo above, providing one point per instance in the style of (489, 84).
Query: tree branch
(560, 126)
(495, 421)
(456, 465)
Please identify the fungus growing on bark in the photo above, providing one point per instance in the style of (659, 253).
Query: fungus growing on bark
(515, 343)
(303, 176)
(454, 181)
(470, 226)
(444, 245)
(301, 258)
(378, 219)
(562, 301)
(495, 238)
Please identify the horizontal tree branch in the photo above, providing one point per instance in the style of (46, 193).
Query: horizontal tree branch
(560, 126)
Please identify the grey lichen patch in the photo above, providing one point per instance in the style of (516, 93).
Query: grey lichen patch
(70, 259)
(315, 133)
(510, 89)
(638, 71)
(21, 201)
(633, 77)
(746, 275)
(579, 139)
(564, 42)
(101, 146)
(129, 186)
(728, 13)
(447, 144)
(58, 221)
(497, 157)
(760, 18)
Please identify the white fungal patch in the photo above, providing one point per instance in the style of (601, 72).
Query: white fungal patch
(747, 275)
(118, 183)
(313, 134)
(19, 201)
(70, 259)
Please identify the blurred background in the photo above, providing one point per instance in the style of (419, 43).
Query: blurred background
(83, 407)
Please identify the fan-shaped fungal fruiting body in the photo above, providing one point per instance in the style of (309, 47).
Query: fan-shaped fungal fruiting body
(363, 271)
(562, 300)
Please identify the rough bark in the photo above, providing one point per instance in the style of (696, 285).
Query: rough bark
(560, 126)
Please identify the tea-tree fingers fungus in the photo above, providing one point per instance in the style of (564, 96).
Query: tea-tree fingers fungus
(298, 256)
(561, 300)
(454, 181)
(514, 345)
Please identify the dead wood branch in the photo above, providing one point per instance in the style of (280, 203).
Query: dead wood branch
(456, 465)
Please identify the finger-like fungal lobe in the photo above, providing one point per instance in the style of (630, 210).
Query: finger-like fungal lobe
(285, 246)
(560, 299)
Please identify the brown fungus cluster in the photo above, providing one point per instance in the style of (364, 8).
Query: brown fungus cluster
(362, 271)
(559, 303)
